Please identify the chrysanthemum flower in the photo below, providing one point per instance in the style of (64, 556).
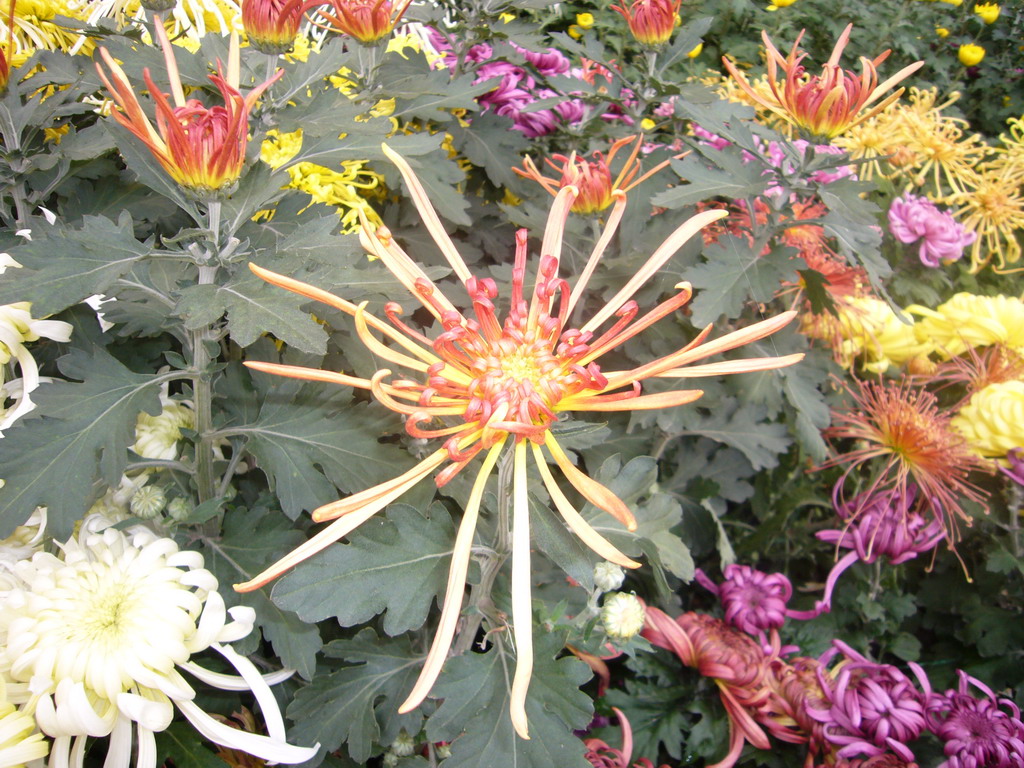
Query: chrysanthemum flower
(506, 384)
(977, 732)
(156, 437)
(368, 21)
(901, 437)
(754, 601)
(21, 743)
(732, 659)
(992, 206)
(992, 421)
(877, 525)
(970, 55)
(593, 177)
(873, 708)
(824, 105)
(271, 25)
(796, 686)
(95, 638)
(17, 328)
(867, 330)
(939, 236)
(347, 188)
(967, 321)
(651, 21)
(201, 148)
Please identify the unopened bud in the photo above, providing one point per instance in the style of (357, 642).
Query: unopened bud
(608, 576)
(622, 615)
(404, 745)
(179, 509)
(148, 502)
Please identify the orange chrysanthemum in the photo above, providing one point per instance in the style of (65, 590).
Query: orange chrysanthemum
(900, 427)
(201, 148)
(489, 384)
(825, 105)
(593, 177)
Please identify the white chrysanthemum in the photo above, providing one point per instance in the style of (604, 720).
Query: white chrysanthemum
(156, 437)
(98, 636)
(20, 740)
(22, 544)
(16, 328)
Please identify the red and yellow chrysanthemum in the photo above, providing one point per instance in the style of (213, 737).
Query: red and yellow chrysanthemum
(368, 21)
(201, 148)
(483, 385)
(822, 106)
(593, 176)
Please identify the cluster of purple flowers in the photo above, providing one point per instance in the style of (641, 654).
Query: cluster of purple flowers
(518, 87)
(942, 238)
(852, 712)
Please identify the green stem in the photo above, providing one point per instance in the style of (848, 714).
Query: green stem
(202, 385)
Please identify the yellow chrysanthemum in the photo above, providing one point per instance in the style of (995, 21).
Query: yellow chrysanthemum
(867, 329)
(988, 12)
(346, 189)
(992, 206)
(992, 422)
(36, 26)
(970, 55)
(968, 321)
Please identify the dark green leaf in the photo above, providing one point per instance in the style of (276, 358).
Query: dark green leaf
(312, 440)
(395, 564)
(474, 714)
(733, 273)
(83, 436)
(183, 744)
(251, 538)
(349, 705)
(61, 266)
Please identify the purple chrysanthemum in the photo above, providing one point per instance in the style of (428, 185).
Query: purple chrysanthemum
(942, 238)
(873, 708)
(977, 732)
(753, 601)
(876, 526)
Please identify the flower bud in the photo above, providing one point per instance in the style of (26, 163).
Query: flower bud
(271, 25)
(179, 509)
(651, 21)
(148, 502)
(608, 576)
(404, 744)
(622, 615)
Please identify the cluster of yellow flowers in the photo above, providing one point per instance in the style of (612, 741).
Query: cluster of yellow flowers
(915, 144)
(37, 26)
(345, 189)
(971, 339)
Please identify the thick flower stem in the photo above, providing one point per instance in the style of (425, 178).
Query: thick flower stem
(202, 386)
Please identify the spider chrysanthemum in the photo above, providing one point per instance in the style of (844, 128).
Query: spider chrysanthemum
(482, 384)
(902, 437)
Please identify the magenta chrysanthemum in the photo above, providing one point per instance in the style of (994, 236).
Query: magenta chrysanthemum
(977, 732)
(874, 708)
(882, 524)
